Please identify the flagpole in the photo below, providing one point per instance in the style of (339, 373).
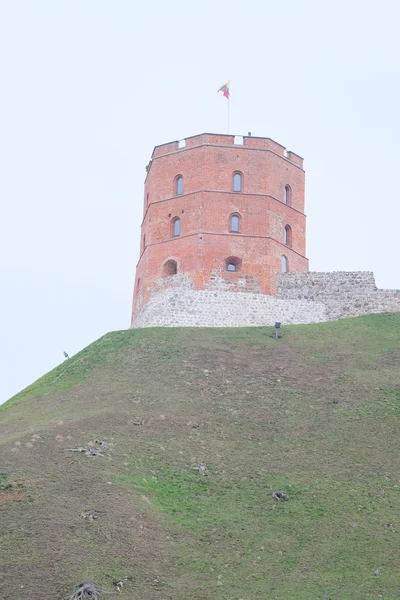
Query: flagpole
(229, 103)
(226, 93)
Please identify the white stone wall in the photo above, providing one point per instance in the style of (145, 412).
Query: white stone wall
(244, 283)
(301, 298)
(179, 307)
(345, 294)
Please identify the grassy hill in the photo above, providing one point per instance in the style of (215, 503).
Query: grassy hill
(315, 414)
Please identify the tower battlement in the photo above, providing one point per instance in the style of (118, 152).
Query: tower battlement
(219, 139)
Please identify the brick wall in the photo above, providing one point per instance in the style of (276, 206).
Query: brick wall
(207, 163)
(197, 294)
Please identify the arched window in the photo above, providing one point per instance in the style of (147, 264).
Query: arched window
(178, 185)
(235, 222)
(287, 235)
(170, 268)
(233, 263)
(176, 227)
(144, 241)
(237, 182)
(287, 198)
(284, 264)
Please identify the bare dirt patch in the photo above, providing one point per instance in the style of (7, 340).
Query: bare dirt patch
(7, 496)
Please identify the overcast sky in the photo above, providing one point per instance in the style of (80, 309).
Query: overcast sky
(89, 87)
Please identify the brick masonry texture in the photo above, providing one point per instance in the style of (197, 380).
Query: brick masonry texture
(207, 164)
(183, 280)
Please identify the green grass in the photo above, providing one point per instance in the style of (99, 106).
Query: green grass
(321, 536)
(315, 414)
(4, 484)
(95, 356)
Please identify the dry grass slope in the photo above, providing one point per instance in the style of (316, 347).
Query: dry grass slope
(315, 414)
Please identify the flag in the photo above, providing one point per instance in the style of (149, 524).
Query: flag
(225, 89)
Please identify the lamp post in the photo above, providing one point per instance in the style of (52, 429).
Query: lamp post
(277, 328)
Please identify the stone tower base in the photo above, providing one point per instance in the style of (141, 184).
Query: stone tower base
(177, 307)
(301, 298)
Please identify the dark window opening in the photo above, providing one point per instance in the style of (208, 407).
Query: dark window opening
(237, 182)
(233, 263)
(235, 223)
(176, 227)
(170, 268)
(287, 235)
(287, 195)
(179, 185)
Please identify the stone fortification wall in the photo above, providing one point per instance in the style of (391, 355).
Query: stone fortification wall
(240, 283)
(180, 307)
(345, 294)
(301, 298)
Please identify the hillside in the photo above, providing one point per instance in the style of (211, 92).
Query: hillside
(315, 414)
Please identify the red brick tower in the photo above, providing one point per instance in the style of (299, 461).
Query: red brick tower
(221, 209)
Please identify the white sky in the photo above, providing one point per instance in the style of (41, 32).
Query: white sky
(88, 87)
